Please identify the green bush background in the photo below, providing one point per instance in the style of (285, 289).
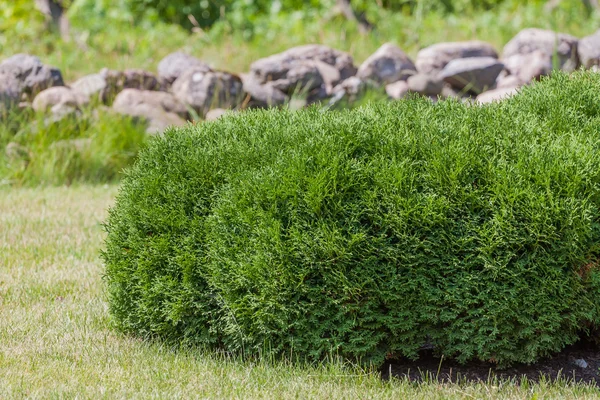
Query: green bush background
(369, 232)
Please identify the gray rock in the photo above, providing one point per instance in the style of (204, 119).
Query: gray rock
(496, 95)
(30, 73)
(261, 95)
(581, 363)
(172, 66)
(207, 90)
(154, 108)
(588, 50)
(474, 74)
(131, 98)
(427, 85)
(387, 65)
(278, 65)
(431, 60)
(90, 86)
(10, 93)
(302, 78)
(529, 66)
(116, 81)
(397, 90)
(56, 98)
(548, 43)
(350, 89)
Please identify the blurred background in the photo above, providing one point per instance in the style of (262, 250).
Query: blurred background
(83, 36)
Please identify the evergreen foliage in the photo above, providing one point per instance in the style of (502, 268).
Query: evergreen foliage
(369, 232)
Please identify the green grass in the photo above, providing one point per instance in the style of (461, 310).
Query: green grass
(91, 147)
(56, 339)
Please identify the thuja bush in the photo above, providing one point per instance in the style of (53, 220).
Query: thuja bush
(371, 232)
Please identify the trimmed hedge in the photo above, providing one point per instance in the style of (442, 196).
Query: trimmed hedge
(369, 232)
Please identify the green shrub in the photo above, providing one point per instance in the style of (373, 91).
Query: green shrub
(369, 232)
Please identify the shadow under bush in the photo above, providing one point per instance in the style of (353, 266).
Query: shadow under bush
(371, 232)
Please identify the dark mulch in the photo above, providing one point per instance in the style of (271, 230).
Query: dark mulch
(560, 366)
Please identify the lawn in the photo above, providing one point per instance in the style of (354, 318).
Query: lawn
(56, 339)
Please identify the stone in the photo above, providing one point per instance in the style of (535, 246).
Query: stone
(302, 78)
(30, 73)
(424, 84)
(175, 64)
(10, 93)
(581, 363)
(474, 74)
(116, 81)
(397, 90)
(350, 89)
(496, 95)
(330, 75)
(432, 60)
(57, 96)
(90, 86)
(203, 90)
(260, 95)
(131, 98)
(588, 50)
(278, 65)
(215, 114)
(529, 66)
(387, 65)
(547, 42)
(157, 113)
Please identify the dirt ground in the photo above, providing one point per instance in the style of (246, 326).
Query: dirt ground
(560, 366)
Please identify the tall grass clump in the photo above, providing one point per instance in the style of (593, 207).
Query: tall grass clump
(90, 146)
(369, 233)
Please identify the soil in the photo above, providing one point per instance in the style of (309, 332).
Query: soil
(562, 366)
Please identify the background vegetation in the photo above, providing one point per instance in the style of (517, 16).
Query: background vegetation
(231, 34)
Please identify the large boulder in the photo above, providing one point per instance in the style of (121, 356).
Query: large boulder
(527, 67)
(397, 90)
(261, 95)
(277, 66)
(432, 60)
(474, 74)
(302, 77)
(589, 50)
(387, 65)
(116, 81)
(350, 90)
(159, 109)
(427, 85)
(57, 97)
(163, 100)
(90, 86)
(10, 93)
(203, 90)
(547, 42)
(31, 75)
(175, 64)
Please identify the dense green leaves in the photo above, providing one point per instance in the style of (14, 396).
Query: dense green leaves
(369, 232)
